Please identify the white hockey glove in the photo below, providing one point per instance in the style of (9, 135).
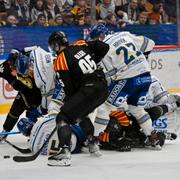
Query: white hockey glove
(57, 99)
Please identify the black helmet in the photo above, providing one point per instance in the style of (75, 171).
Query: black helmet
(58, 37)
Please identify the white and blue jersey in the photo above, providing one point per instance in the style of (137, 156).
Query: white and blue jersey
(128, 75)
(44, 74)
(43, 128)
(125, 57)
(127, 68)
(129, 90)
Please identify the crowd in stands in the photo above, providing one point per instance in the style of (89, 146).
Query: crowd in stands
(116, 13)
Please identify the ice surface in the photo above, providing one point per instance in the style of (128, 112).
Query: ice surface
(139, 164)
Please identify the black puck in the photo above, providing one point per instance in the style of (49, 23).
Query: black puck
(6, 156)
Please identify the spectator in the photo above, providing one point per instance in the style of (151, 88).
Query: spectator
(142, 19)
(21, 10)
(2, 23)
(38, 8)
(3, 16)
(58, 21)
(68, 5)
(122, 15)
(111, 20)
(106, 7)
(88, 6)
(81, 21)
(120, 3)
(41, 21)
(142, 6)
(172, 20)
(2, 6)
(171, 8)
(9, 3)
(131, 9)
(79, 11)
(12, 20)
(65, 5)
(52, 9)
(158, 16)
(87, 20)
(68, 19)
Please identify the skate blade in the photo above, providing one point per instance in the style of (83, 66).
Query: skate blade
(61, 163)
(155, 148)
(96, 154)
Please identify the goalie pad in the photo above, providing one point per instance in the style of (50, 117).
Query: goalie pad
(42, 129)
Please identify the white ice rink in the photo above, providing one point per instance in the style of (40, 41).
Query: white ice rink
(139, 164)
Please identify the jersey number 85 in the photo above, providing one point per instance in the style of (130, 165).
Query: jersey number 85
(87, 64)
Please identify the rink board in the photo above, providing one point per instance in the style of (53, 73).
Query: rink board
(164, 62)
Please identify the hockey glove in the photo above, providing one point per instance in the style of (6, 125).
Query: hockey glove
(25, 125)
(37, 112)
(124, 144)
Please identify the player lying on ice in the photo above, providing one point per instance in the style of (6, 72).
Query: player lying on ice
(159, 103)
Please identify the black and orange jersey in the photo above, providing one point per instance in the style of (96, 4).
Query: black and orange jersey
(76, 60)
(121, 117)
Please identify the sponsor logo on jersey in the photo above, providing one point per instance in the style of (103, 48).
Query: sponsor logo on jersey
(116, 90)
(160, 123)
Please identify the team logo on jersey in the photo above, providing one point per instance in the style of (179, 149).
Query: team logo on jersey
(48, 58)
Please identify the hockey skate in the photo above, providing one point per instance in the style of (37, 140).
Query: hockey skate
(94, 147)
(61, 158)
(170, 136)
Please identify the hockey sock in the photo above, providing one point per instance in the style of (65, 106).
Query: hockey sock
(87, 126)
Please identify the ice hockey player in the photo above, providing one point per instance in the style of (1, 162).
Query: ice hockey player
(159, 102)
(40, 68)
(128, 70)
(41, 130)
(28, 96)
(85, 88)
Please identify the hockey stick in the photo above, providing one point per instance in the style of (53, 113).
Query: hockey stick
(9, 133)
(34, 156)
(24, 151)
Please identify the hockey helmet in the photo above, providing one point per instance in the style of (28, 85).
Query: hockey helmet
(97, 30)
(23, 63)
(58, 38)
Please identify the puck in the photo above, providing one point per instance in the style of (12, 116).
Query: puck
(6, 156)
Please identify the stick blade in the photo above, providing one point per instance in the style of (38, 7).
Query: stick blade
(24, 158)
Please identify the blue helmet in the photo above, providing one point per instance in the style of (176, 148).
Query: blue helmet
(98, 29)
(23, 63)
